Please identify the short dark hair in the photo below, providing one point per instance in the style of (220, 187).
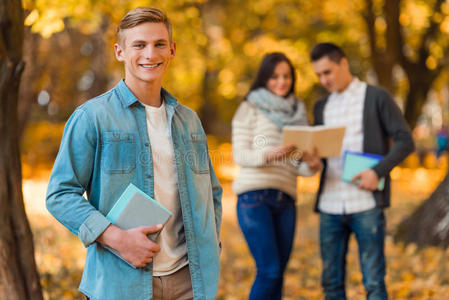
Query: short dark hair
(266, 69)
(332, 51)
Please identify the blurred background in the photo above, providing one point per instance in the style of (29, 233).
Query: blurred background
(400, 45)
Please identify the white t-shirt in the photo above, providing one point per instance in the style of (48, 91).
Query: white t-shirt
(173, 254)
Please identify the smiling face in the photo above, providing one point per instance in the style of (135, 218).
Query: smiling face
(281, 80)
(334, 76)
(146, 51)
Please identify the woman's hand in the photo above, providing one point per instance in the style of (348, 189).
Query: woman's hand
(279, 152)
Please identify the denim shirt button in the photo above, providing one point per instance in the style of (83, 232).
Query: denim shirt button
(147, 144)
(146, 269)
(149, 176)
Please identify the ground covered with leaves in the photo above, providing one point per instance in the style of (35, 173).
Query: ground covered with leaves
(411, 273)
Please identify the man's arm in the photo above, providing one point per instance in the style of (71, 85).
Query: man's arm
(70, 178)
(398, 130)
(133, 245)
(217, 192)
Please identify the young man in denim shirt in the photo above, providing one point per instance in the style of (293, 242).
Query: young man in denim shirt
(138, 133)
(372, 121)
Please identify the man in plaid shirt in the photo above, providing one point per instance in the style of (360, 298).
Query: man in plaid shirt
(372, 120)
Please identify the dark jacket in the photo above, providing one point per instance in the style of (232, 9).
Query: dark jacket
(382, 122)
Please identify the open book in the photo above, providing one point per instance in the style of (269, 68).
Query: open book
(134, 208)
(327, 139)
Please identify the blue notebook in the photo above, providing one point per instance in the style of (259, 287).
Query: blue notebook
(356, 162)
(134, 208)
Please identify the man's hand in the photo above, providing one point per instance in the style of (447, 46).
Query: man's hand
(368, 180)
(313, 160)
(133, 244)
(279, 152)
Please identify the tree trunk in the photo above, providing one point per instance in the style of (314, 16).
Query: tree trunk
(383, 60)
(28, 91)
(420, 82)
(208, 112)
(416, 98)
(99, 61)
(18, 276)
(429, 224)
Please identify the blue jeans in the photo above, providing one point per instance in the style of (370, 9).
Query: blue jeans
(369, 230)
(267, 219)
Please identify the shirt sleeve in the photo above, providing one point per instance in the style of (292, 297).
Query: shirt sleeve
(217, 193)
(243, 150)
(398, 130)
(304, 170)
(71, 177)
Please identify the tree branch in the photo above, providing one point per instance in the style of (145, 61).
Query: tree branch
(3, 38)
(430, 33)
(395, 39)
(370, 19)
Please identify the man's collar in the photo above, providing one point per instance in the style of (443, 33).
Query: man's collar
(128, 98)
(168, 98)
(354, 83)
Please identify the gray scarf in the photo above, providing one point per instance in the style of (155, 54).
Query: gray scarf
(281, 111)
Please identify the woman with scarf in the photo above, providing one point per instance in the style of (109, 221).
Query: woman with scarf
(266, 185)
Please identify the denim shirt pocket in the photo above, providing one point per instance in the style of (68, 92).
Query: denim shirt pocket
(118, 152)
(196, 153)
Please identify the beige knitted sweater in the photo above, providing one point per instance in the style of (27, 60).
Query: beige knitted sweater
(253, 134)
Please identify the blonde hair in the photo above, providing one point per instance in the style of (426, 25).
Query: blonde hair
(141, 15)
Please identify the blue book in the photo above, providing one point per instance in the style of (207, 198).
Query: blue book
(356, 162)
(134, 208)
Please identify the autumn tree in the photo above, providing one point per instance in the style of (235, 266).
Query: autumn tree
(421, 51)
(18, 276)
(221, 43)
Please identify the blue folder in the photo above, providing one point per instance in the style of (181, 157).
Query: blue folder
(356, 162)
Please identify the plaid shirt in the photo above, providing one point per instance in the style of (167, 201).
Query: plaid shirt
(345, 109)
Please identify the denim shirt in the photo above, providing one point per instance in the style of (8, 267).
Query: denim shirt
(104, 148)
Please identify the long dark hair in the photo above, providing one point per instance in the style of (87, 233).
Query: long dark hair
(266, 69)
